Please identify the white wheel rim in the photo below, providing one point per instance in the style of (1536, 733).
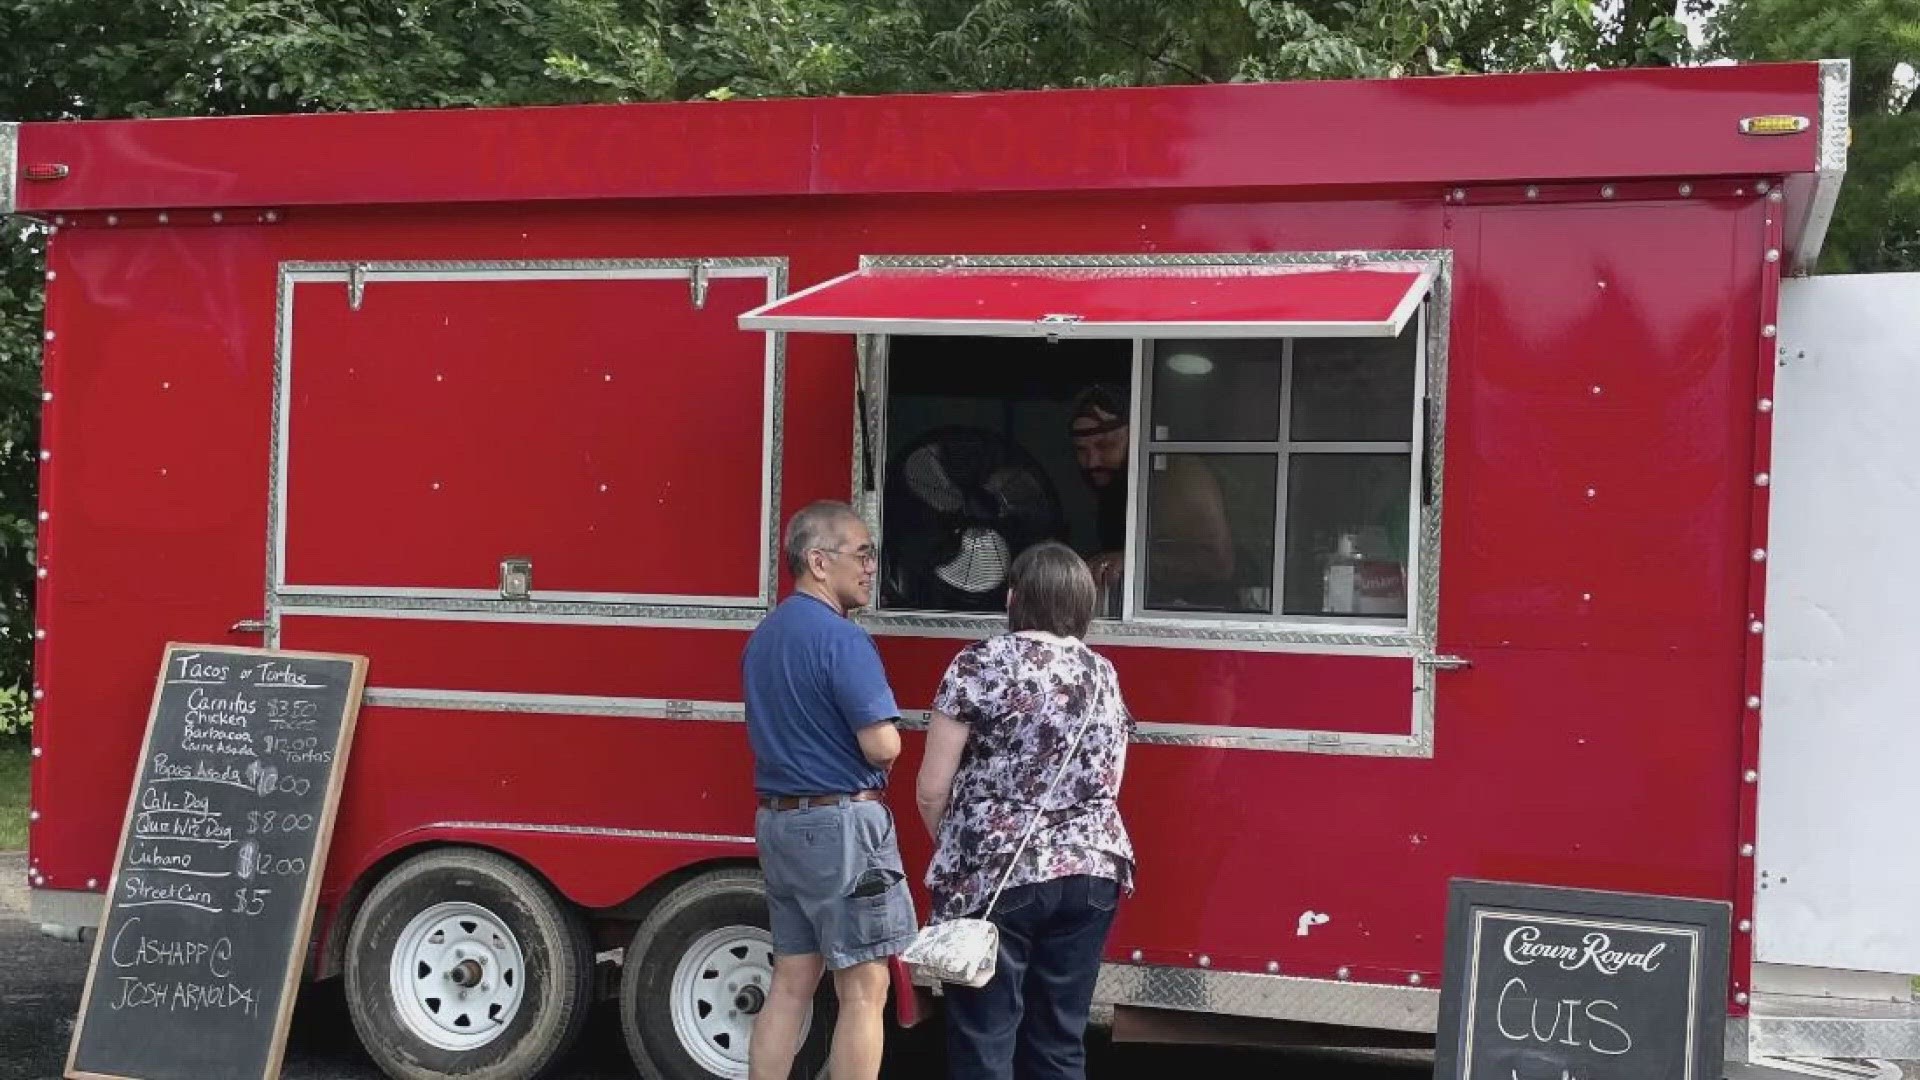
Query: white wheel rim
(720, 984)
(457, 975)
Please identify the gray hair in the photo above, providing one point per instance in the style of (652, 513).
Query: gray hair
(1052, 590)
(815, 526)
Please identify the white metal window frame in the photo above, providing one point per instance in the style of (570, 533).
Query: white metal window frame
(1281, 449)
(426, 601)
(1146, 732)
(1364, 635)
(1412, 640)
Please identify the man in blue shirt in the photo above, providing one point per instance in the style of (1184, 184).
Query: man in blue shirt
(820, 718)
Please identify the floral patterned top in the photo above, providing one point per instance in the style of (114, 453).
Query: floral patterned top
(1023, 696)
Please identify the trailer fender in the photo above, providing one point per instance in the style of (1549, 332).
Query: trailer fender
(592, 868)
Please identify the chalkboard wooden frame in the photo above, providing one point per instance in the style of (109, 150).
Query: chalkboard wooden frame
(323, 837)
(1707, 981)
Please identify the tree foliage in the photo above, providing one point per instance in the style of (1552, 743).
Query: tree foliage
(1877, 224)
(114, 58)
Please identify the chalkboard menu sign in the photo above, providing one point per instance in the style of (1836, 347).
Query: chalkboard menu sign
(211, 903)
(1565, 984)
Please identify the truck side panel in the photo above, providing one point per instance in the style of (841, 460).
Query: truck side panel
(1594, 742)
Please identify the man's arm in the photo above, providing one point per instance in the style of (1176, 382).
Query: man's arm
(879, 743)
(860, 689)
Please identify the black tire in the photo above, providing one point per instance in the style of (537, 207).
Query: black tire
(557, 988)
(707, 904)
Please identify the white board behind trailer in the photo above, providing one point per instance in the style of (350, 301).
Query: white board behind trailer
(1837, 916)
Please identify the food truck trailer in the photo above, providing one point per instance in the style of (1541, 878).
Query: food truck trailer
(1461, 536)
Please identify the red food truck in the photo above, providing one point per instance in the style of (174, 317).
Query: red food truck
(1444, 503)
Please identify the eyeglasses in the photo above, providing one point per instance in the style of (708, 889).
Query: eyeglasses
(867, 554)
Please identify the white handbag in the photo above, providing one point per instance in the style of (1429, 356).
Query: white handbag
(965, 951)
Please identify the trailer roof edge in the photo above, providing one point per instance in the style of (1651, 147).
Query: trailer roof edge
(9, 165)
(1835, 131)
(1604, 126)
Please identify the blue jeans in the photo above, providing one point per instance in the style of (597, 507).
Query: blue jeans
(1030, 1022)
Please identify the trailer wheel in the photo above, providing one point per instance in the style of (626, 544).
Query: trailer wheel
(461, 963)
(697, 973)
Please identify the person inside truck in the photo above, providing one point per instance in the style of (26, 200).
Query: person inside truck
(1190, 557)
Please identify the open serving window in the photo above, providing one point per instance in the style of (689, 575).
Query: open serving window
(1233, 442)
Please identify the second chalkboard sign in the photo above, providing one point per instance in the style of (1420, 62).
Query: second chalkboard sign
(225, 837)
(1566, 984)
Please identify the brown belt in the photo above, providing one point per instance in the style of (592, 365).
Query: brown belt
(801, 802)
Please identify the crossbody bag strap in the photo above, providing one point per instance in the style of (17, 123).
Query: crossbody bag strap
(1040, 812)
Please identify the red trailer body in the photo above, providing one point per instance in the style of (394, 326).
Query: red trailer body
(311, 380)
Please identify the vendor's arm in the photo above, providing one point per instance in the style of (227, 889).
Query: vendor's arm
(1197, 546)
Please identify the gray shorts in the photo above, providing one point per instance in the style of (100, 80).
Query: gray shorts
(835, 883)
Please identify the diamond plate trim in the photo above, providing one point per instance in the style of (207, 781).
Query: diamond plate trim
(1161, 632)
(433, 266)
(9, 166)
(1332, 743)
(1830, 167)
(1273, 997)
(591, 830)
(1439, 317)
(1734, 1041)
(64, 907)
(1836, 78)
(276, 488)
(733, 712)
(776, 437)
(1397, 259)
(557, 704)
(514, 610)
(1786, 1027)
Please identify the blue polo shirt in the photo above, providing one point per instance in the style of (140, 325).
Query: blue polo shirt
(812, 678)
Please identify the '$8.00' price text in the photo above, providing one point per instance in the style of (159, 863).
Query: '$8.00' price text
(268, 821)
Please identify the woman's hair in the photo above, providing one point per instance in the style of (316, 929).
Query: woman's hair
(1052, 591)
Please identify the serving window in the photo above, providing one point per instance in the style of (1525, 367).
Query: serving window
(1237, 443)
(1278, 476)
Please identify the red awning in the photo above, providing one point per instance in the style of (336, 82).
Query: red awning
(1209, 300)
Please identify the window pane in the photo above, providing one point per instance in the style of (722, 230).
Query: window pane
(1209, 532)
(1216, 390)
(1347, 534)
(980, 462)
(1354, 389)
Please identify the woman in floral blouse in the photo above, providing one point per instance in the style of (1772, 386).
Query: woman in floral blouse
(1003, 723)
